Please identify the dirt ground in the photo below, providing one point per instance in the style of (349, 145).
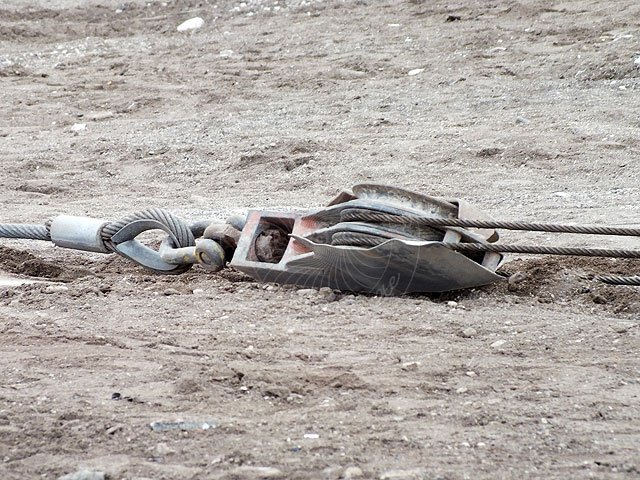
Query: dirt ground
(527, 108)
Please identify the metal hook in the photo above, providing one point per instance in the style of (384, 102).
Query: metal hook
(127, 246)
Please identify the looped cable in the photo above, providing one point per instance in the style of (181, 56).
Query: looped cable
(120, 236)
(177, 227)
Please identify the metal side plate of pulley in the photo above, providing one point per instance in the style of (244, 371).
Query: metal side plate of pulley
(303, 248)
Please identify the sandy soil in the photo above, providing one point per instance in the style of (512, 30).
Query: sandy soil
(527, 108)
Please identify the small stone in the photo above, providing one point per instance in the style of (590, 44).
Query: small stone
(599, 299)
(462, 390)
(250, 472)
(311, 436)
(307, 292)
(332, 471)
(276, 391)
(162, 449)
(469, 332)
(636, 61)
(113, 430)
(97, 116)
(561, 194)
(452, 304)
(352, 472)
(498, 344)
(84, 475)
(56, 289)
(249, 351)
(410, 366)
(78, 127)
(191, 24)
(471, 373)
(515, 279)
(413, 474)
(415, 71)
(198, 291)
(522, 120)
(328, 294)
(349, 300)
(170, 291)
(623, 327)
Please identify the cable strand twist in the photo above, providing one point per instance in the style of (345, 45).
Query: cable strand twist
(24, 231)
(180, 229)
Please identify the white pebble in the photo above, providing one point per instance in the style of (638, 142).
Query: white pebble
(415, 71)
(352, 472)
(249, 471)
(56, 289)
(410, 366)
(191, 24)
(469, 332)
(311, 436)
(84, 475)
(413, 474)
(306, 292)
(78, 127)
(498, 344)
